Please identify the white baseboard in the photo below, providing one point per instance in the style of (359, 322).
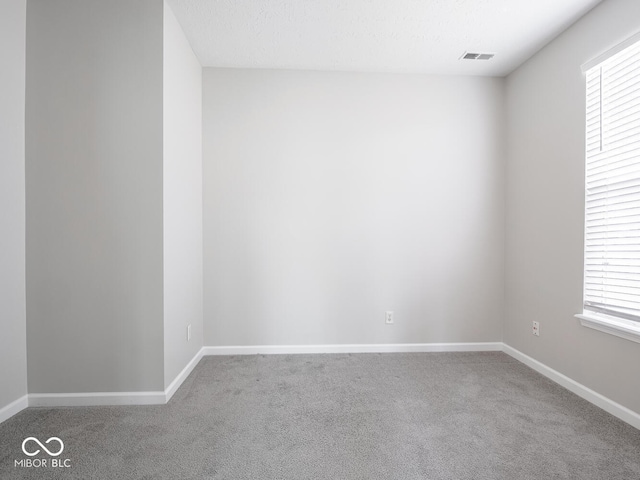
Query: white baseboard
(92, 399)
(355, 348)
(608, 405)
(14, 407)
(182, 376)
(114, 398)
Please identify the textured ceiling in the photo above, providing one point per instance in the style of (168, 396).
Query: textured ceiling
(425, 36)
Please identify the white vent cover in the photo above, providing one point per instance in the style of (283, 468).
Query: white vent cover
(477, 56)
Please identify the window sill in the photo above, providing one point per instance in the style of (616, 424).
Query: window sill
(619, 327)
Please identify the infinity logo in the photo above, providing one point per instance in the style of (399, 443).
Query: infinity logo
(53, 454)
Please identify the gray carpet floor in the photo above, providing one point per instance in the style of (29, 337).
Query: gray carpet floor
(361, 416)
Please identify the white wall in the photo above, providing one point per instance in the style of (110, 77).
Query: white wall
(182, 191)
(545, 209)
(13, 346)
(332, 197)
(94, 195)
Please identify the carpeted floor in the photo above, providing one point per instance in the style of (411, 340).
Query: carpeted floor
(363, 416)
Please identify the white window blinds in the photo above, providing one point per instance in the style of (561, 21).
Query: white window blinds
(612, 218)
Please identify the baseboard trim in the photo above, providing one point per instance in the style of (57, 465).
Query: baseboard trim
(14, 407)
(93, 399)
(354, 348)
(599, 400)
(182, 376)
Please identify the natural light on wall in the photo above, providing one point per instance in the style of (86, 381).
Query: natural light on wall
(612, 203)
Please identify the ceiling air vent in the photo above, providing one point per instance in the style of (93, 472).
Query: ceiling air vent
(477, 56)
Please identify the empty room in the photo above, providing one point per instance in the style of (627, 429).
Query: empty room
(320, 239)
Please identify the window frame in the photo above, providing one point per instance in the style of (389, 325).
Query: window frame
(606, 322)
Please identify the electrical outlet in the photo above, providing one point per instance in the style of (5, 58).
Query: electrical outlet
(536, 329)
(388, 318)
(189, 333)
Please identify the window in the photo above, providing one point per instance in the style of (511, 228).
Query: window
(612, 191)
